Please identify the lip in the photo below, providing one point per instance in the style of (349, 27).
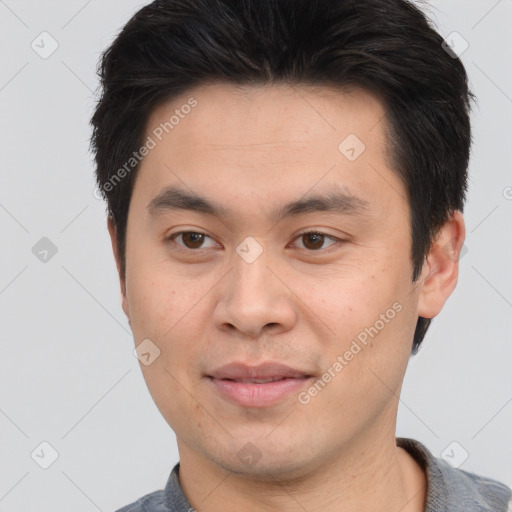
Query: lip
(233, 382)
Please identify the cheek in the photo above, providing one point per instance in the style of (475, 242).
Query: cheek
(371, 323)
(157, 301)
(344, 300)
(167, 390)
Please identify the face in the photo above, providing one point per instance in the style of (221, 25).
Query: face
(245, 286)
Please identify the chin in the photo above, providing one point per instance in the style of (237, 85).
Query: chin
(263, 461)
(268, 471)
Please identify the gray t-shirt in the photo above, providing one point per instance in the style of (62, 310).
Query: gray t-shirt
(448, 489)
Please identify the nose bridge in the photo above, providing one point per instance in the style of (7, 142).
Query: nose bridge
(251, 277)
(253, 297)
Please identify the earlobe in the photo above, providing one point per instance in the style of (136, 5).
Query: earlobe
(440, 270)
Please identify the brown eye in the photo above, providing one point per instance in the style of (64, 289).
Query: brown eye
(314, 241)
(191, 240)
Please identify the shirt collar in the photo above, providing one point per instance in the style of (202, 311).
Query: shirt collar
(447, 488)
(174, 496)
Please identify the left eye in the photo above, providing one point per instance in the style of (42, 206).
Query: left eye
(315, 240)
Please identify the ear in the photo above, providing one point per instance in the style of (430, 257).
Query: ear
(122, 279)
(441, 268)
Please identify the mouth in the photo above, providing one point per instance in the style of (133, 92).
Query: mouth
(264, 385)
(260, 381)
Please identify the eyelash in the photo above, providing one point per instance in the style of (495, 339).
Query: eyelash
(335, 239)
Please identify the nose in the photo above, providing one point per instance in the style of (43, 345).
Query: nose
(255, 299)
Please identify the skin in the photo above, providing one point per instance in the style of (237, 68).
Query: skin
(253, 149)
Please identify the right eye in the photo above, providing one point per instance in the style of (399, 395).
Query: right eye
(191, 240)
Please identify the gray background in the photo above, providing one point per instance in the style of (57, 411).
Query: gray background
(68, 374)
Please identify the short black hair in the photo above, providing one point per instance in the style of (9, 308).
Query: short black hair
(386, 47)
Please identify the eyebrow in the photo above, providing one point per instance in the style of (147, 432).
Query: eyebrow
(174, 198)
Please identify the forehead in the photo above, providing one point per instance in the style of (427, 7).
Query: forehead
(243, 142)
(261, 114)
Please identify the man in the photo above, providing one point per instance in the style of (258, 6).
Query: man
(285, 183)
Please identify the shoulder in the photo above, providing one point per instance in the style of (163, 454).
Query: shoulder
(153, 502)
(473, 490)
(454, 489)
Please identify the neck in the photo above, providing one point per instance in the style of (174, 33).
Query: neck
(372, 475)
